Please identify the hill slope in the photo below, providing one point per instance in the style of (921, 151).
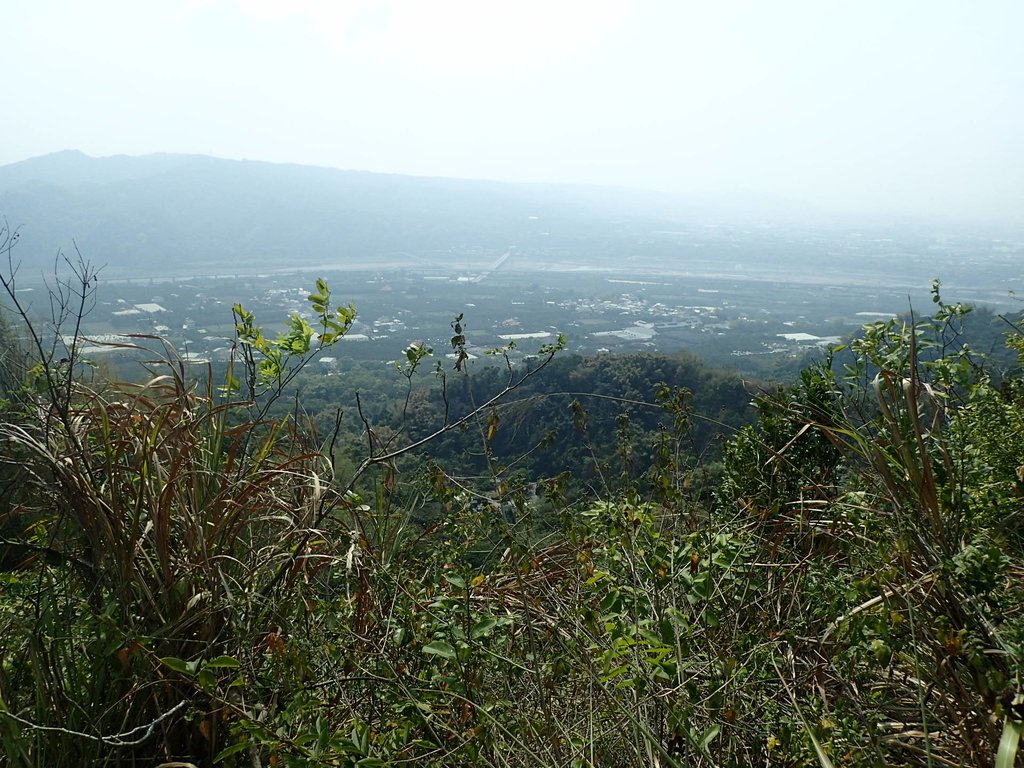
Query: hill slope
(158, 214)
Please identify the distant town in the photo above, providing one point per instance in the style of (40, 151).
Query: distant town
(743, 316)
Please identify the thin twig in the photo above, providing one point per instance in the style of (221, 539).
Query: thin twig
(117, 740)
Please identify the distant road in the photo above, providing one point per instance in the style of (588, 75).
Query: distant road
(497, 265)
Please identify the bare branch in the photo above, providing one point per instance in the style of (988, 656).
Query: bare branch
(116, 740)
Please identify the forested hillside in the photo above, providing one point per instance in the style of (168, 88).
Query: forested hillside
(598, 421)
(559, 561)
(141, 215)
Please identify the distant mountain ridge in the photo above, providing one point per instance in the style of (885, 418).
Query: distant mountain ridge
(175, 214)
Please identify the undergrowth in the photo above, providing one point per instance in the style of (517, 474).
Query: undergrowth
(186, 582)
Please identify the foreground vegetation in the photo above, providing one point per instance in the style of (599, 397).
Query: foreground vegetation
(187, 580)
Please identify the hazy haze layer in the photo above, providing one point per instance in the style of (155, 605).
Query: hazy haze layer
(872, 107)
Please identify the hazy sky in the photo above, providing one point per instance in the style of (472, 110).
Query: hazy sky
(876, 105)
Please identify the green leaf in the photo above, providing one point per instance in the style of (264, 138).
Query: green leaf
(361, 738)
(483, 627)
(234, 749)
(614, 672)
(709, 736)
(222, 662)
(455, 581)
(207, 680)
(1006, 757)
(440, 648)
(178, 665)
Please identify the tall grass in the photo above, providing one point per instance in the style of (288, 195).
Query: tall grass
(152, 532)
(902, 633)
